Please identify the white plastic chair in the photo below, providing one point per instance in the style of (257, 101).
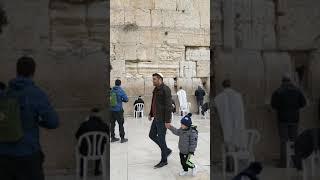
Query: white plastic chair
(251, 137)
(311, 161)
(138, 108)
(95, 141)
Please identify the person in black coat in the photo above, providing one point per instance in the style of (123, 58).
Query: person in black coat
(94, 123)
(199, 93)
(251, 172)
(139, 100)
(287, 101)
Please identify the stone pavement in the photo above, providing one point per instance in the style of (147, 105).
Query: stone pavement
(135, 159)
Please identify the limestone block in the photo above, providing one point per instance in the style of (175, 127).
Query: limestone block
(129, 16)
(277, 64)
(184, 5)
(187, 21)
(246, 71)
(188, 69)
(156, 18)
(169, 53)
(116, 17)
(166, 4)
(129, 37)
(197, 54)
(148, 85)
(204, 9)
(145, 37)
(118, 68)
(145, 4)
(134, 87)
(169, 19)
(130, 52)
(203, 68)
(297, 31)
(143, 17)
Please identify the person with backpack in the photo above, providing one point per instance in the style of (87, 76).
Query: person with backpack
(250, 173)
(118, 96)
(188, 139)
(93, 124)
(24, 108)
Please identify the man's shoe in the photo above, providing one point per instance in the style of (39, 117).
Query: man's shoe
(123, 140)
(194, 170)
(169, 152)
(160, 165)
(114, 139)
(183, 173)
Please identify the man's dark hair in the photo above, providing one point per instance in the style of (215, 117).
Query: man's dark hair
(26, 66)
(157, 75)
(117, 82)
(139, 96)
(226, 83)
(180, 87)
(255, 167)
(2, 86)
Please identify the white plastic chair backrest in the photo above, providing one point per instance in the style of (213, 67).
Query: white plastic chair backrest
(252, 137)
(95, 141)
(138, 107)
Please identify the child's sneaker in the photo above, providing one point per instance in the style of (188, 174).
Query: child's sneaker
(194, 170)
(183, 173)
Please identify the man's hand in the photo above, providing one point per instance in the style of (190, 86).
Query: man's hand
(149, 118)
(168, 125)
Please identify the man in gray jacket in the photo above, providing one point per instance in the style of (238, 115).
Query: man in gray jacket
(188, 139)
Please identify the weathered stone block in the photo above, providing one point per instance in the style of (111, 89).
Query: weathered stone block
(166, 4)
(143, 17)
(197, 54)
(188, 69)
(116, 17)
(156, 18)
(203, 68)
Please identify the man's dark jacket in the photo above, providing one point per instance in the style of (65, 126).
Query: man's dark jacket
(94, 123)
(163, 106)
(288, 100)
(199, 93)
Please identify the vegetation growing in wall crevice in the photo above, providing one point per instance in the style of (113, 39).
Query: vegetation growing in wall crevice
(130, 27)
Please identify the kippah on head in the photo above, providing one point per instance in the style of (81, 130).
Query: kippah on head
(117, 82)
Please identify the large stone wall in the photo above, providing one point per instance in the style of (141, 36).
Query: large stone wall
(256, 42)
(171, 37)
(68, 43)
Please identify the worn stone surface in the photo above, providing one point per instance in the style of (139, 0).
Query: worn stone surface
(154, 36)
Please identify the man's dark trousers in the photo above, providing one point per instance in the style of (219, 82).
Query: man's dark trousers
(117, 116)
(287, 131)
(200, 104)
(158, 135)
(22, 168)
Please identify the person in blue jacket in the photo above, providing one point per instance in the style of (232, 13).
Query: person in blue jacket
(117, 112)
(22, 160)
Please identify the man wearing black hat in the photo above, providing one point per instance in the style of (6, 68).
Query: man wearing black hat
(160, 112)
(287, 101)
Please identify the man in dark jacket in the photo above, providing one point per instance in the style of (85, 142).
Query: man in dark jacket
(117, 112)
(23, 159)
(250, 173)
(160, 111)
(287, 101)
(94, 123)
(199, 93)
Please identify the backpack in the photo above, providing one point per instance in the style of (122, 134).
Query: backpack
(11, 129)
(113, 99)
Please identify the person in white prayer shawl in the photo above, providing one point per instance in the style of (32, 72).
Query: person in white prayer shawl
(182, 96)
(229, 107)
